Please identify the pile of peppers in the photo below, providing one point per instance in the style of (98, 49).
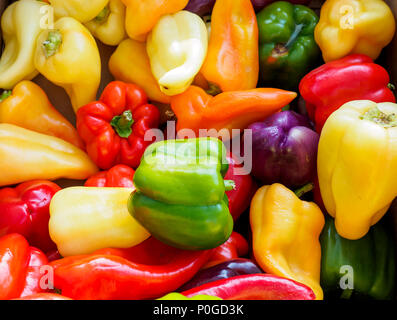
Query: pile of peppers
(275, 182)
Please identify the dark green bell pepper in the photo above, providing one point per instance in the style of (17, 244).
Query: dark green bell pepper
(287, 49)
(371, 260)
(180, 197)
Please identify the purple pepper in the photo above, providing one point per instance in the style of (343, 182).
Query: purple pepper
(200, 7)
(284, 149)
(223, 270)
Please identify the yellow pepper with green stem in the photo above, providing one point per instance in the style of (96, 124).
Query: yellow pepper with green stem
(357, 165)
(85, 219)
(177, 47)
(285, 235)
(68, 56)
(81, 10)
(20, 24)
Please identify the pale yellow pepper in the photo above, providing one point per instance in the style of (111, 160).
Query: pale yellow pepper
(177, 47)
(132, 55)
(81, 10)
(108, 25)
(28, 155)
(285, 235)
(357, 165)
(20, 24)
(85, 219)
(68, 56)
(354, 26)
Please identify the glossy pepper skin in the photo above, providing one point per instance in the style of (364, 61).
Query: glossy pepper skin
(355, 77)
(177, 47)
(196, 213)
(27, 155)
(27, 106)
(114, 127)
(132, 55)
(357, 162)
(111, 277)
(284, 149)
(372, 259)
(25, 210)
(83, 220)
(354, 26)
(200, 7)
(20, 25)
(232, 62)
(108, 25)
(142, 16)
(68, 56)
(260, 4)
(20, 267)
(280, 220)
(119, 176)
(287, 50)
(195, 109)
(78, 9)
(254, 287)
(224, 270)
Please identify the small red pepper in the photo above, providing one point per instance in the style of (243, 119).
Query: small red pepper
(254, 287)
(114, 127)
(120, 176)
(355, 77)
(20, 267)
(25, 210)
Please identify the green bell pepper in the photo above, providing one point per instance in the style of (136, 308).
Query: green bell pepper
(180, 193)
(371, 260)
(287, 49)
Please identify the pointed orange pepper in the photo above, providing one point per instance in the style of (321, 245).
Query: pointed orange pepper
(27, 106)
(195, 109)
(232, 61)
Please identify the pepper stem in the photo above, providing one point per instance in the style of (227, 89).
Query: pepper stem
(282, 49)
(51, 45)
(391, 86)
(230, 185)
(379, 117)
(303, 190)
(123, 123)
(5, 95)
(213, 89)
(102, 16)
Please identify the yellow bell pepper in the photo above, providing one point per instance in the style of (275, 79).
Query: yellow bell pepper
(108, 25)
(354, 26)
(357, 165)
(85, 219)
(132, 55)
(141, 16)
(68, 56)
(177, 47)
(28, 155)
(81, 10)
(285, 235)
(21, 26)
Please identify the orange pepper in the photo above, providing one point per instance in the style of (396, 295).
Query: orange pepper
(142, 16)
(232, 61)
(28, 107)
(195, 109)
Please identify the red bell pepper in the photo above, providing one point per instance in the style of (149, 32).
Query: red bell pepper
(114, 127)
(25, 210)
(146, 271)
(20, 267)
(119, 176)
(44, 296)
(254, 287)
(245, 188)
(355, 77)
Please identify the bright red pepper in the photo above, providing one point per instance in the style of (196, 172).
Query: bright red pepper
(119, 176)
(355, 77)
(254, 287)
(25, 210)
(146, 271)
(44, 296)
(245, 187)
(114, 127)
(20, 267)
